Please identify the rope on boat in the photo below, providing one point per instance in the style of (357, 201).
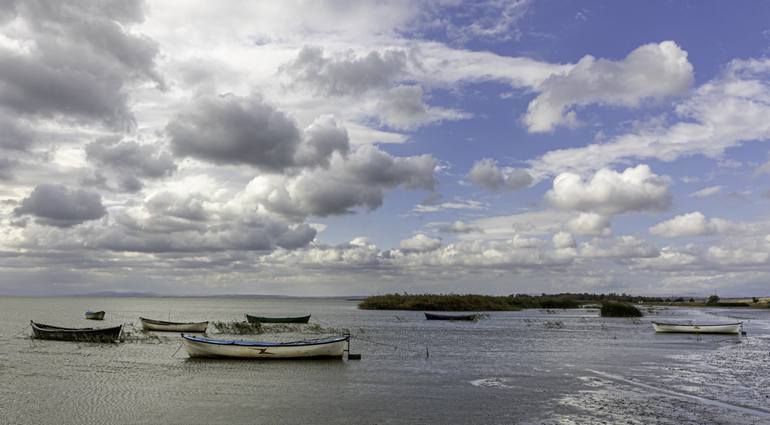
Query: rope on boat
(360, 338)
(393, 346)
(22, 330)
(177, 350)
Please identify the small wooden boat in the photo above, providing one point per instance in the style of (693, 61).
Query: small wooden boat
(94, 315)
(160, 325)
(313, 348)
(435, 316)
(723, 328)
(260, 319)
(41, 331)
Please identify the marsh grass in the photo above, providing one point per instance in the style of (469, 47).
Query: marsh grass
(247, 328)
(237, 328)
(312, 328)
(141, 336)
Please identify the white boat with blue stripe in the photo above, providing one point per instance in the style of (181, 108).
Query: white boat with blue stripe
(198, 346)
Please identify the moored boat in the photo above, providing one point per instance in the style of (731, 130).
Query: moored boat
(240, 349)
(436, 316)
(262, 319)
(163, 326)
(722, 328)
(94, 315)
(41, 331)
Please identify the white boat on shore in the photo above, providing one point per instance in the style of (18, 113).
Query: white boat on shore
(160, 325)
(722, 328)
(312, 348)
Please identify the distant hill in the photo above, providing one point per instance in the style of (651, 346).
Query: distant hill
(119, 294)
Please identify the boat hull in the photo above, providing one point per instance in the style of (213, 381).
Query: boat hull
(466, 317)
(726, 328)
(95, 315)
(161, 326)
(260, 319)
(332, 348)
(41, 331)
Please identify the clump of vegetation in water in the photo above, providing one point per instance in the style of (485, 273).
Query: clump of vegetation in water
(238, 328)
(618, 309)
(311, 328)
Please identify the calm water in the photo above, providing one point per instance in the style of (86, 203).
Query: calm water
(530, 367)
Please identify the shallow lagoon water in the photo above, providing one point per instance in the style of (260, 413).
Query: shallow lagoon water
(528, 367)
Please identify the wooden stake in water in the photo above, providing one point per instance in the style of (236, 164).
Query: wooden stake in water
(350, 355)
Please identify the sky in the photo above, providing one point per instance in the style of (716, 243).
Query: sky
(362, 147)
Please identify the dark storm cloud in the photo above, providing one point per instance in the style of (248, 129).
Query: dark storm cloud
(82, 57)
(349, 75)
(485, 173)
(296, 238)
(247, 130)
(60, 206)
(144, 160)
(321, 139)
(128, 160)
(31, 86)
(377, 168)
(233, 130)
(360, 180)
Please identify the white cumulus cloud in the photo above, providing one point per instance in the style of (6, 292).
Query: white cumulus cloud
(691, 224)
(650, 71)
(610, 192)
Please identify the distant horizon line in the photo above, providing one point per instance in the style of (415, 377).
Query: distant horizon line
(135, 294)
(117, 294)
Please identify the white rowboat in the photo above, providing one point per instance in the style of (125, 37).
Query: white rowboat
(724, 328)
(313, 348)
(159, 325)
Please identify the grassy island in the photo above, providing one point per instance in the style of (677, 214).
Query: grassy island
(438, 302)
(619, 309)
(467, 302)
(474, 302)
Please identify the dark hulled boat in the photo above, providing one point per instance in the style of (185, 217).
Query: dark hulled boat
(260, 319)
(94, 315)
(41, 331)
(435, 316)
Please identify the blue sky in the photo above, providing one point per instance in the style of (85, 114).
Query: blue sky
(339, 147)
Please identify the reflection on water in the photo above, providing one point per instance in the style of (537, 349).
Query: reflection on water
(536, 366)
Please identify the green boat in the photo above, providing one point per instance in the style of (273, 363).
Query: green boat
(260, 319)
